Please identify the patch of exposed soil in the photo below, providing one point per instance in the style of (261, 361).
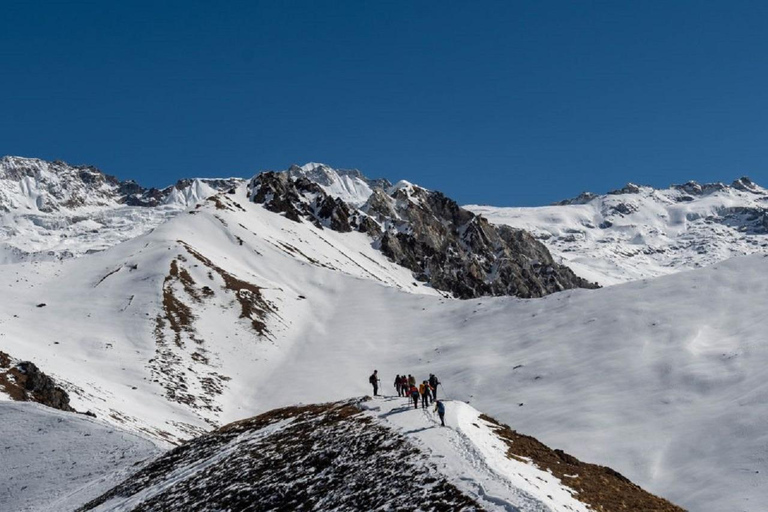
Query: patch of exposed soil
(193, 385)
(222, 202)
(107, 275)
(252, 303)
(600, 487)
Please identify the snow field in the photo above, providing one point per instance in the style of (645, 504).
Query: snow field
(55, 461)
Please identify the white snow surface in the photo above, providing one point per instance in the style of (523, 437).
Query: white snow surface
(645, 232)
(473, 457)
(659, 379)
(55, 461)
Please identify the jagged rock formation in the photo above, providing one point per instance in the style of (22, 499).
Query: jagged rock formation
(23, 381)
(445, 245)
(349, 185)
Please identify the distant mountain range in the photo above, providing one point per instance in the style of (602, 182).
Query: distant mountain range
(639, 232)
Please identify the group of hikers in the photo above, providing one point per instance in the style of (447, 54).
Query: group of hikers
(406, 387)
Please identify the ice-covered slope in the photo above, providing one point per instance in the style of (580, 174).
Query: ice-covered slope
(640, 232)
(53, 210)
(231, 310)
(56, 461)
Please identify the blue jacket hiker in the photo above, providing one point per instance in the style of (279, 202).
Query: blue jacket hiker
(440, 408)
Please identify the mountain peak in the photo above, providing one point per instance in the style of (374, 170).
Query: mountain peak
(349, 185)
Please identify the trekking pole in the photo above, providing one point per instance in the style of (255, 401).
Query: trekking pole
(445, 393)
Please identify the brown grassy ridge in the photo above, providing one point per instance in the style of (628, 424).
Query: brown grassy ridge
(252, 303)
(600, 487)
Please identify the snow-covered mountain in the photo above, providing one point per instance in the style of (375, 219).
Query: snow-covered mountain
(237, 306)
(349, 185)
(52, 210)
(443, 244)
(638, 232)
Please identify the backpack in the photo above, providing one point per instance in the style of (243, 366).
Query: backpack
(372, 379)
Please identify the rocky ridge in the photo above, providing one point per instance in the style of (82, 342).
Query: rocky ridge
(448, 247)
(348, 456)
(46, 187)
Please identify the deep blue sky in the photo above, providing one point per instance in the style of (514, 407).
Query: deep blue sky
(507, 103)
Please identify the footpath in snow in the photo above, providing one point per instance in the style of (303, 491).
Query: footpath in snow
(473, 457)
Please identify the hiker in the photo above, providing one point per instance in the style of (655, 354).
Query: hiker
(434, 383)
(426, 393)
(440, 408)
(415, 396)
(374, 380)
(397, 384)
(404, 385)
(411, 380)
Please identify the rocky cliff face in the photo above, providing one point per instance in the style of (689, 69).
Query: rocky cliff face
(443, 244)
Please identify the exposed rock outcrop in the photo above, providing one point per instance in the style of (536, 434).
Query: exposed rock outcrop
(444, 245)
(23, 381)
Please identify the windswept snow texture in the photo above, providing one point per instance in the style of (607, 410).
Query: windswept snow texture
(640, 232)
(55, 461)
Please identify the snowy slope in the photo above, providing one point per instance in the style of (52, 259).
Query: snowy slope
(56, 461)
(640, 232)
(469, 453)
(658, 379)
